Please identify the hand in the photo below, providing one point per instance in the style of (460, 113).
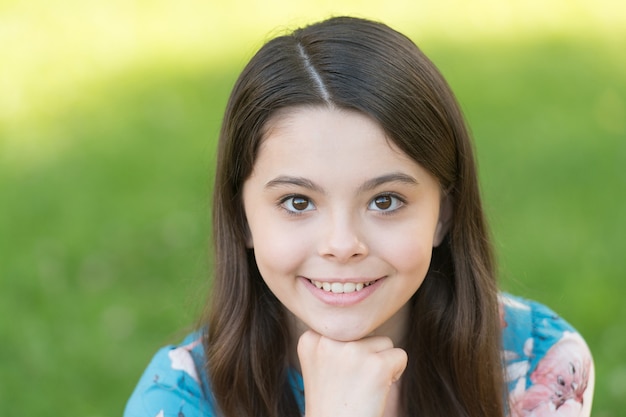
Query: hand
(348, 379)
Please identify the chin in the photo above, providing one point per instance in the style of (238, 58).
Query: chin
(342, 335)
(341, 332)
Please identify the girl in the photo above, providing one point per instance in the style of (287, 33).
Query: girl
(353, 270)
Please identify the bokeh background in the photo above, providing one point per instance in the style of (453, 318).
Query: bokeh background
(109, 114)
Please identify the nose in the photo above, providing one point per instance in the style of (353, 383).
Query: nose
(343, 239)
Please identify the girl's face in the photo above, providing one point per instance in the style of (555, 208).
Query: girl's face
(341, 221)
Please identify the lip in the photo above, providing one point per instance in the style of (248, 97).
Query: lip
(342, 299)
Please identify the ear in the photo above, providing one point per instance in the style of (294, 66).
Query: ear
(445, 219)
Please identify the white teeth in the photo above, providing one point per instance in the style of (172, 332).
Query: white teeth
(336, 287)
(341, 288)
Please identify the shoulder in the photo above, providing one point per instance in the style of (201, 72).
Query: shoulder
(549, 368)
(173, 384)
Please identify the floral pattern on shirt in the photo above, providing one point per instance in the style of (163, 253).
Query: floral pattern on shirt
(548, 363)
(548, 367)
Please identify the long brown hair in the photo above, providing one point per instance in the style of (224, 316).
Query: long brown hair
(454, 341)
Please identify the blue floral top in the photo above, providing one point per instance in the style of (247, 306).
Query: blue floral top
(548, 370)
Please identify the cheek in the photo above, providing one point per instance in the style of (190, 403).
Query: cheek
(277, 252)
(408, 250)
(414, 258)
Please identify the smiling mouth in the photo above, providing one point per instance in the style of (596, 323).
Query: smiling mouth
(341, 287)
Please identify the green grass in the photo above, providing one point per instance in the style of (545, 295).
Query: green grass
(105, 179)
(549, 119)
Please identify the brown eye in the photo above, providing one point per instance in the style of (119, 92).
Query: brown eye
(386, 203)
(383, 202)
(300, 203)
(297, 204)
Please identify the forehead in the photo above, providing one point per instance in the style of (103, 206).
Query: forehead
(321, 128)
(330, 146)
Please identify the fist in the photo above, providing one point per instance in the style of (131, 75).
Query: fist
(343, 379)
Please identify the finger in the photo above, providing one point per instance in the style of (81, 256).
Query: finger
(375, 343)
(308, 342)
(398, 360)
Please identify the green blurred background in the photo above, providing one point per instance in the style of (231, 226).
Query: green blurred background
(109, 114)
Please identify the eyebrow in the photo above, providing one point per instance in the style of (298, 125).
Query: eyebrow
(298, 181)
(384, 179)
(366, 186)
